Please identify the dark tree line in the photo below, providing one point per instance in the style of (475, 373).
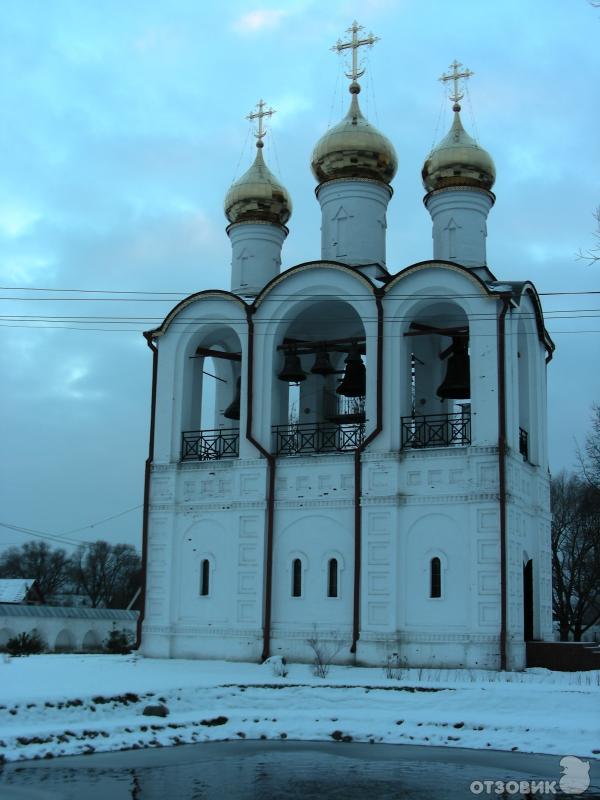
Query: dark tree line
(576, 540)
(107, 575)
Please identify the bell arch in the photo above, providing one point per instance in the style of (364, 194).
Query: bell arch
(436, 392)
(211, 401)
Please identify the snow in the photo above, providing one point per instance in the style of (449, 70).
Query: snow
(14, 590)
(52, 705)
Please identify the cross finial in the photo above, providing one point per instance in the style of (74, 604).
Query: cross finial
(354, 44)
(455, 76)
(260, 115)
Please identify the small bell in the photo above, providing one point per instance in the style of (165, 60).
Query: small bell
(322, 365)
(457, 383)
(233, 409)
(292, 371)
(354, 382)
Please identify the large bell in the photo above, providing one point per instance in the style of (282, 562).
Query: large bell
(354, 382)
(292, 371)
(322, 365)
(457, 383)
(233, 409)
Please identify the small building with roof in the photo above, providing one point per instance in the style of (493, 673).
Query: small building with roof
(20, 590)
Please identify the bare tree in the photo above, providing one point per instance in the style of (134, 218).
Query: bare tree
(592, 254)
(589, 456)
(37, 560)
(108, 574)
(324, 651)
(575, 555)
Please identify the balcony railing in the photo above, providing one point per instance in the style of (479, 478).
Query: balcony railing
(524, 444)
(210, 445)
(317, 437)
(437, 430)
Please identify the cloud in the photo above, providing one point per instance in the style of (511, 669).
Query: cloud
(259, 20)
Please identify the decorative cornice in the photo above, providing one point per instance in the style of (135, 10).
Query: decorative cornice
(192, 508)
(316, 503)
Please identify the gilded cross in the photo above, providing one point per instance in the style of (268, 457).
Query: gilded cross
(354, 44)
(260, 115)
(455, 76)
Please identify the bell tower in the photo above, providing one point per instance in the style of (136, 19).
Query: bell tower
(458, 175)
(354, 164)
(257, 207)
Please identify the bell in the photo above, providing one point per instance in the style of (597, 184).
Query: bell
(322, 365)
(292, 371)
(354, 382)
(233, 409)
(457, 383)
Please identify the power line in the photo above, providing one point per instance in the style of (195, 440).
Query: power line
(141, 330)
(62, 538)
(167, 295)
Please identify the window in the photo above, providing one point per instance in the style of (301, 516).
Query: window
(436, 578)
(332, 578)
(204, 577)
(297, 578)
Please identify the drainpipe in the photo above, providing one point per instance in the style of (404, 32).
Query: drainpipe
(502, 473)
(147, 473)
(271, 463)
(358, 473)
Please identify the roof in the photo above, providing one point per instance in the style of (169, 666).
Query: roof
(65, 612)
(14, 590)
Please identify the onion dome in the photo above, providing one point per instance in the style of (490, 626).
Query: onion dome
(258, 196)
(354, 149)
(458, 161)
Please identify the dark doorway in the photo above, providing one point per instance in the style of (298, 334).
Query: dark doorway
(528, 601)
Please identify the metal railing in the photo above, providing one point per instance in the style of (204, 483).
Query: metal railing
(317, 437)
(210, 445)
(437, 430)
(524, 444)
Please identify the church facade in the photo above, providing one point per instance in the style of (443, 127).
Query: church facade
(371, 471)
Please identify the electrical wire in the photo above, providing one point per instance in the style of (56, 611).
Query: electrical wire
(63, 538)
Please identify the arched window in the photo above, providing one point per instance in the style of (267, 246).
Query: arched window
(332, 578)
(436, 578)
(204, 577)
(297, 578)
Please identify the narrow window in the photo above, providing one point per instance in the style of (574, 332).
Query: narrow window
(297, 578)
(436, 578)
(332, 578)
(204, 577)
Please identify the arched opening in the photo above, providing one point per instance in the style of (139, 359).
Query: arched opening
(435, 577)
(320, 386)
(524, 369)
(212, 402)
(297, 578)
(91, 642)
(332, 578)
(439, 383)
(204, 577)
(528, 601)
(65, 642)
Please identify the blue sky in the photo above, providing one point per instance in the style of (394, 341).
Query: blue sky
(122, 128)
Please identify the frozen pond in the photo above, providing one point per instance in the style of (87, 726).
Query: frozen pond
(257, 770)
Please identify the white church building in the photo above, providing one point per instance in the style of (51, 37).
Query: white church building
(372, 469)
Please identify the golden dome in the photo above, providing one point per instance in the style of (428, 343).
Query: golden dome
(458, 161)
(354, 149)
(258, 196)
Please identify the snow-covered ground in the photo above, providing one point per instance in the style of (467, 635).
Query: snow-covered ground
(53, 705)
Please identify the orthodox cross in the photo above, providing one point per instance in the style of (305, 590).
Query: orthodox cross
(260, 115)
(354, 44)
(455, 76)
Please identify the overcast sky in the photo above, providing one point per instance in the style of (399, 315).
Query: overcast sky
(122, 128)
